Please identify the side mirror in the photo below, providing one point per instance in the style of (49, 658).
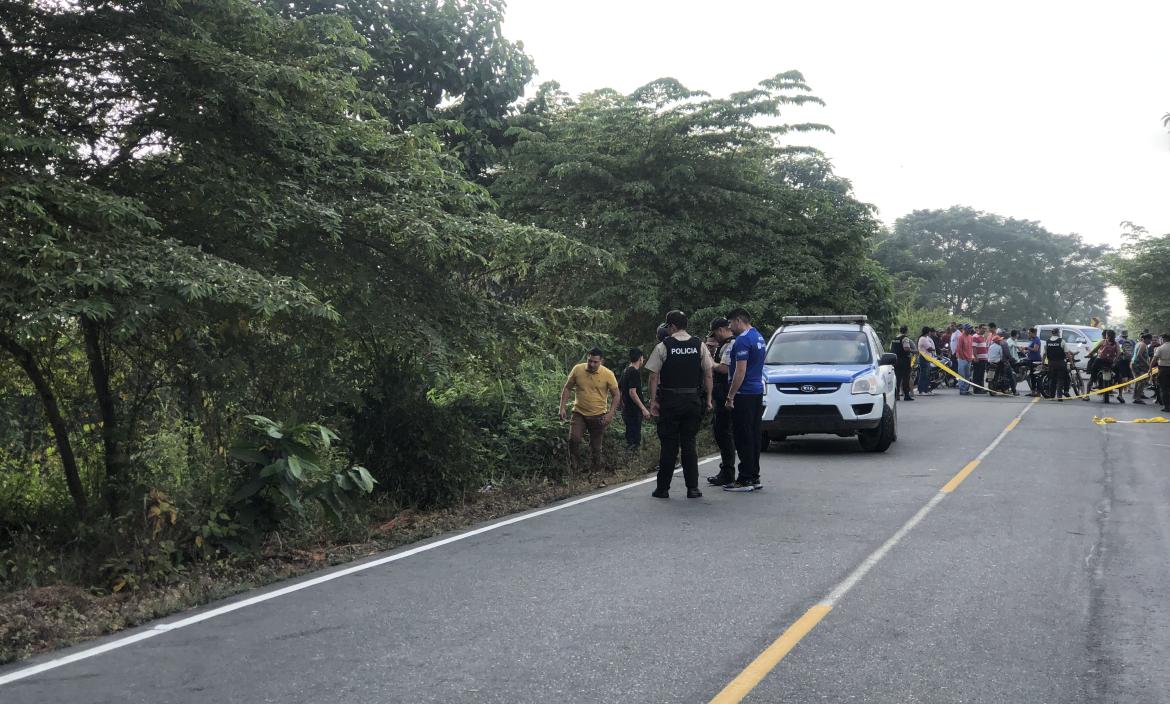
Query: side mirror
(888, 359)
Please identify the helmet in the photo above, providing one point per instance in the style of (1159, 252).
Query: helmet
(662, 333)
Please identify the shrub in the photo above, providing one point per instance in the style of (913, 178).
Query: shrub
(283, 469)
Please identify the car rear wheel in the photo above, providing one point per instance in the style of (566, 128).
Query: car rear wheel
(880, 438)
(766, 440)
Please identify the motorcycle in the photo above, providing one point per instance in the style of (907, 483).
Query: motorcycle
(937, 377)
(1105, 376)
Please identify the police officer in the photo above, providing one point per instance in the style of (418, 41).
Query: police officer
(1056, 355)
(721, 421)
(680, 385)
(903, 348)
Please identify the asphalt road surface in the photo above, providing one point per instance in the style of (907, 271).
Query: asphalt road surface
(1042, 576)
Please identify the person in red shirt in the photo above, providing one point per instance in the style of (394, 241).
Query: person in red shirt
(1107, 354)
(980, 342)
(965, 356)
(944, 338)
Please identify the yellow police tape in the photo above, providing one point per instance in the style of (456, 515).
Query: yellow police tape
(1107, 420)
(1106, 390)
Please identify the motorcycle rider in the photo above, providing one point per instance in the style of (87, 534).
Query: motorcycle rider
(1123, 369)
(1106, 355)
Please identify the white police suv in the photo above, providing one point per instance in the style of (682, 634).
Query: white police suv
(829, 374)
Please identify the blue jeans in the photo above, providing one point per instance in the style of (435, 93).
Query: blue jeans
(965, 372)
(923, 375)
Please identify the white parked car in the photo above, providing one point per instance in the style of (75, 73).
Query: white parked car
(1081, 339)
(830, 374)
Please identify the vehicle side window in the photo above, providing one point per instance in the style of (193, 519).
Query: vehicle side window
(1072, 337)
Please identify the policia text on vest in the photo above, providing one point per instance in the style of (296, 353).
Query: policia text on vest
(680, 389)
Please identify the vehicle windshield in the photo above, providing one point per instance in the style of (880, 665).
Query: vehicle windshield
(1094, 334)
(819, 347)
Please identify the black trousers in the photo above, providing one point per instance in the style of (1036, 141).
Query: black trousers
(979, 374)
(721, 429)
(1057, 380)
(746, 421)
(902, 374)
(1164, 385)
(632, 417)
(679, 418)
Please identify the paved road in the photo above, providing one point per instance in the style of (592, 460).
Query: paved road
(1042, 577)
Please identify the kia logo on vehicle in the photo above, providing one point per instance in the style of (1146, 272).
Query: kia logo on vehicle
(808, 389)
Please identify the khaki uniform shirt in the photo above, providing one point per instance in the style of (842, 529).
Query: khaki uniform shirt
(1161, 356)
(658, 356)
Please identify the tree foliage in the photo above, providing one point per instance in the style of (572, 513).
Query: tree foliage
(990, 267)
(434, 62)
(701, 198)
(1141, 276)
(211, 198)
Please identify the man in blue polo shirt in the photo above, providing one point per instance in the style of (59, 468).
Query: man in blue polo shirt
(1035, 357)
(745, 398)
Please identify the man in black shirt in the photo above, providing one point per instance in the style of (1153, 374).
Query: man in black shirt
(633, 410)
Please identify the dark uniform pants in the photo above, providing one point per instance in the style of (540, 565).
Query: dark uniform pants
(721, 429)
(679, 417)
(1057, 380)
(746, 421)
(1164, 385)
(902, 375)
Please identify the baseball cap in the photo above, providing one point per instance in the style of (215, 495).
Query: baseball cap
(719, 322)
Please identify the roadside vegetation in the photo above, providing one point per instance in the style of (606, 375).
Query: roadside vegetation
(285, 283)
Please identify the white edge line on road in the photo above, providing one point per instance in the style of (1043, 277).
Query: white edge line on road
(876, 556)
(243, 603)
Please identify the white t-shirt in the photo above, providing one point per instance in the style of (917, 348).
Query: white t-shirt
(994, 353)
(926, 345)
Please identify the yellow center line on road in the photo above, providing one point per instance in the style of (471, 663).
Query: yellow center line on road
(767, 661)
(958, 478)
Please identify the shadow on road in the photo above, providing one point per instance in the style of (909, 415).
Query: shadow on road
(815, 446)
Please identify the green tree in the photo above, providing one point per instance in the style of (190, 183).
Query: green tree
(186, 186)
(435, 61)
(1141, 276)
(701, 199)
(991, 267)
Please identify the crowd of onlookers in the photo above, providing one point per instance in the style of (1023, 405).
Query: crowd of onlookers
(989, 357)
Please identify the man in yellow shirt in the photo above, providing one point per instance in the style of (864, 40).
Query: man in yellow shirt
(594, 387)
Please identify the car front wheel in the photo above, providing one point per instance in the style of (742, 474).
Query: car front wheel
(880, 438)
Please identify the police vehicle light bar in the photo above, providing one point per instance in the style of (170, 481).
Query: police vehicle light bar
(851, 319)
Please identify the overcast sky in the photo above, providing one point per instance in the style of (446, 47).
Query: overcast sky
(1036, 110)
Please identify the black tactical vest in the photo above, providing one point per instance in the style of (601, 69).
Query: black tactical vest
(683, 368)
(1054, 351)
(721, 384)
(898, 348)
